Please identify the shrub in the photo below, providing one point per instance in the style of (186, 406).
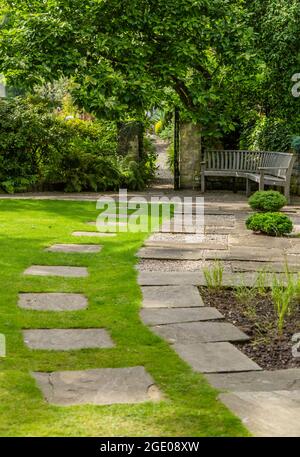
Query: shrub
(296, 144)
(269, 200)
(274, 224)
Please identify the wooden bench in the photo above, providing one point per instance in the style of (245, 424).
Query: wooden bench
(263, 167)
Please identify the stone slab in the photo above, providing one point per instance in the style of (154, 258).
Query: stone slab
(161, 316)
(170, 254)
(275, 267)
(188, 245)
(167, 278)
(262, 381)
(75, 248)
(52, 301)
(93, 234)
(200, 332)
(67, 339)
(103, 386)
(45, 270)
(267, 414)
(215, 357)
(171, 297)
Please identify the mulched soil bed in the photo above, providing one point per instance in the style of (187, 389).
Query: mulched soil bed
(257, 319)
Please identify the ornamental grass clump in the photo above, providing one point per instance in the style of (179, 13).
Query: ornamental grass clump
(214, 275)
(265, 201)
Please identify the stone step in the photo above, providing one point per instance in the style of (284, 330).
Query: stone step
(215, 357)
(93, 234)
(65, 271)
(200, 332)
(263, 381)
(52, 301)
(75, 248)
(67, 339)
(267, 414)
(171, 297)
(102, 386)
(162, 316)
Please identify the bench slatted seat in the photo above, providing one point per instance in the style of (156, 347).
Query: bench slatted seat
(263, 167)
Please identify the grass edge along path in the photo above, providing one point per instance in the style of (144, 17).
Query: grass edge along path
(190, 407)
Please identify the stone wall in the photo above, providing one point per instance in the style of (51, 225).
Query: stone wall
(190, 154)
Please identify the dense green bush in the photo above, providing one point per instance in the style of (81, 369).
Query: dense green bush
(274, 224)
(40, 151)
(269, 200)
(269, 134)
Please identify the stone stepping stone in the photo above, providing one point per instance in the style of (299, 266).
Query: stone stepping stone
(67, 339)
(103, 386)
(255, 254)
(161, 316)
(171, 297)
(274, 267)
(52, 301)
(267, 414)
(167, 278)
(262, 381)
(75, 248)
(173, 247)
(46, 270)
(213, 230)
(215, 357)
(94, 234)
(170, 254)
(200, 332)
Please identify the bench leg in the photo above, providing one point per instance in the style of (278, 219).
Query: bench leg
(287, 193)
(248, 187)
(261, 184)
(202, 183)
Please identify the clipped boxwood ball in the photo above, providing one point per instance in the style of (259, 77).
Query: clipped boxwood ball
(267, 200)
(274, 224)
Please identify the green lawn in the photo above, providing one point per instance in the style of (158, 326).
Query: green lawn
(26, 228)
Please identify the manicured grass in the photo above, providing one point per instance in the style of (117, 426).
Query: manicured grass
(190, 407)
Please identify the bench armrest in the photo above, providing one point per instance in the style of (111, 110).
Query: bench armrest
(272, 168)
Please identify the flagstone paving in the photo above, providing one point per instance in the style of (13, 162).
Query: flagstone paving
(75, 248)
(46, 270)
(67, 339)
(267, 414)
(263, 381)
(200, 332)
(161, 316)
(171, 297)
(52, 301)
(103, 386)
(220, 357)
(94, 234)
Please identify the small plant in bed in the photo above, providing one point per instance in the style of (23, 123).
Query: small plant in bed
(269, 319)
(273, 224)
(269, 200)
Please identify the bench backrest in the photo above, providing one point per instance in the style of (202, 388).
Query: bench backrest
(232, 160)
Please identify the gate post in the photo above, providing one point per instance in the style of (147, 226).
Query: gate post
(176, 149)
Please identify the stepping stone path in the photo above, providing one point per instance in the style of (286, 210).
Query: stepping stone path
(171, 297)
(52, 301)
(161, 316)
(75, 248)
(67, 339)
(93, 234)
(45, 270)
(104, 386)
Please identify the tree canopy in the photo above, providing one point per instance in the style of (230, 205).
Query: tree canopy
(217, 60)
